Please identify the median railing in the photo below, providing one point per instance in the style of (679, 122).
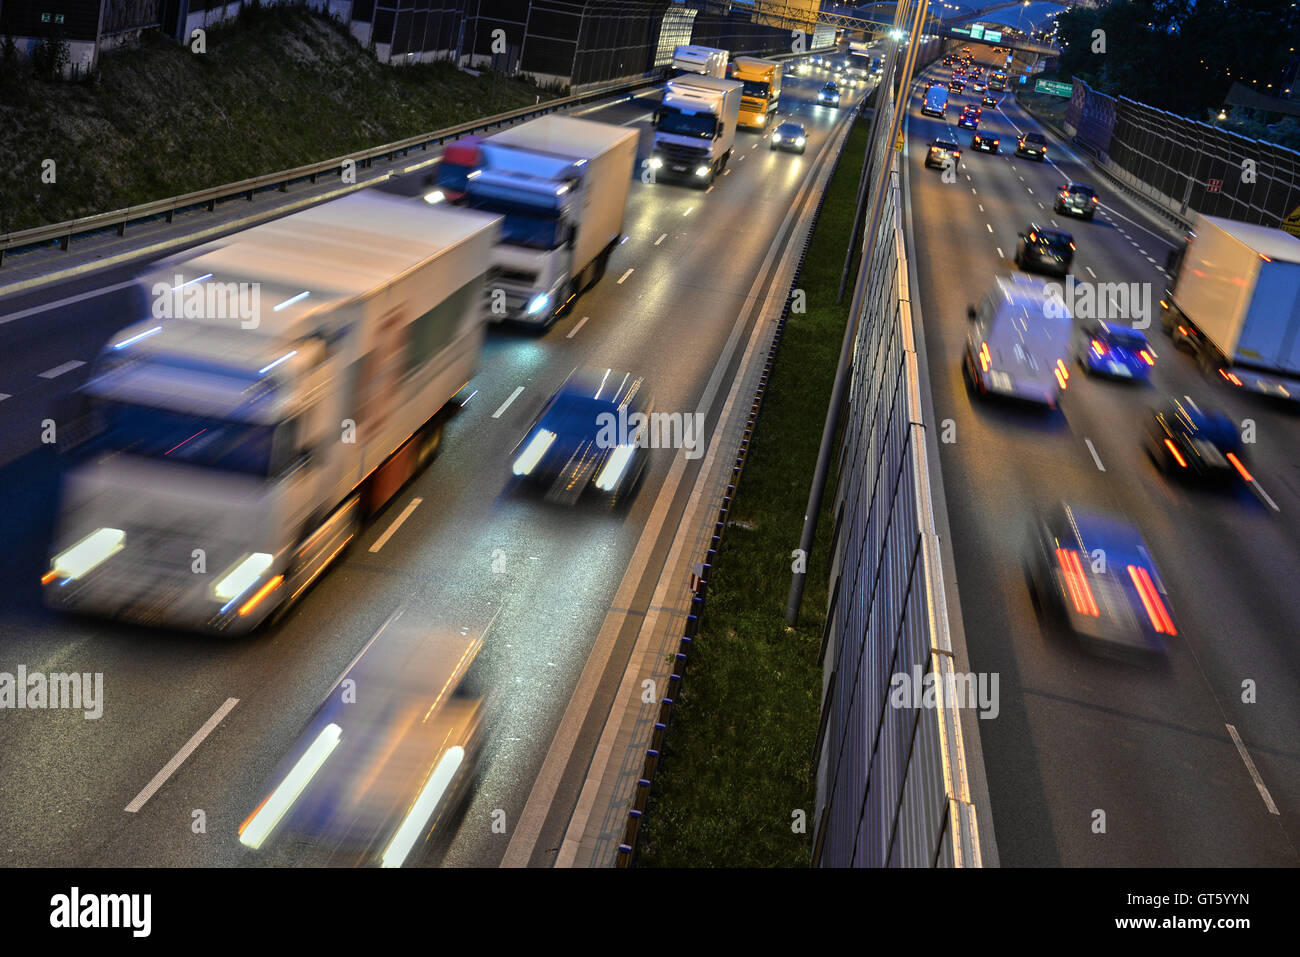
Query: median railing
(64, 233)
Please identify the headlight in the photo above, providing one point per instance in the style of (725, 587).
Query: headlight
(538, 303)
(89, 553)
(436, 196)
(701, 171)
(776, 137)
(240, 578)
(608, 478)
(533, 452)
(762, 120)
(656, 162)
(799, 141)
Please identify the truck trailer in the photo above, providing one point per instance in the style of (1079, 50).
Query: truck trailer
(289, 381)
(561, 185)
(695, 128)
(700, 61)
(1234, 304)
(762, 90)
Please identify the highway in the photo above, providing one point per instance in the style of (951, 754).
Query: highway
(194, 724)
(1082, 742)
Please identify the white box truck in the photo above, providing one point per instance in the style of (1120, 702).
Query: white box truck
(561, 185)
(705, 61)
(290, 379)
(1234, 304)
(695, 128)
(1018, 341)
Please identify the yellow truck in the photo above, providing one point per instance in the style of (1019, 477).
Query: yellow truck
(762, 90)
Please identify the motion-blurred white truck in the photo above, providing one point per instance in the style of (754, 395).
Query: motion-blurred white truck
(704, 61)
(1235, 304)
(561, 185)
(695, 128)
(291, 379)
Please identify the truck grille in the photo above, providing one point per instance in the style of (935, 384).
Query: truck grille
(517, 285)
(678, 154)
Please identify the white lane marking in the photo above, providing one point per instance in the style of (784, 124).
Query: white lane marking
(1259, 490)
(5, 395)
(1150, 260)
(624, 276)
(1041, 206)
(709, 190)
(742, 155)
(1254, 771)
(1090, 272)
(382, 540)
(981, 206)
(1000, 255)
(574, 331)
(689, 210)
(1095, 457)
(972, 190)
(726, 172)
(58, 303)
(1031, 191)
(661, 239)
(179, 758)
(506, 404)
(990, 228)
(59, 370)
(1055, 223)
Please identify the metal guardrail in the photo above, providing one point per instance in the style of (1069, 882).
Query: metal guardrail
(64, 233)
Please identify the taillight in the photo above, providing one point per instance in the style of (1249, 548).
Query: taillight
(1062, 373)
(985, 359)
(1076, 583)
(1098, 347)
(1177, 455)
(1146, 357)
(1155, 608)
(1230, 376)
(1241, 469)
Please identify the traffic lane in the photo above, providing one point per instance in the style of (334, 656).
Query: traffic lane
(1261, 634)
(521, 356)
(990, 538)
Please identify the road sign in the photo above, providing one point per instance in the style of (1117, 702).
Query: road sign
(1292, 223)
(898, 143)
(1054, 88)
(1214, 185)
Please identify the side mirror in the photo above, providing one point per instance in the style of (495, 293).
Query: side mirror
(970, 313)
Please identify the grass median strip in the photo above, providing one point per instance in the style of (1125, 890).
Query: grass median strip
(738, 764)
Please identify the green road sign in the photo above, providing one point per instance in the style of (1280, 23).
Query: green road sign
(1056, 89)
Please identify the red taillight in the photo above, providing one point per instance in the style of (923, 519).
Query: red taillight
(985, 360)
(1236, 464)
(1155, 608)
(1230, 376)
(1177, 455)
(1182, 330)
(1076, 583)
(1146, 357)
(1098, 347)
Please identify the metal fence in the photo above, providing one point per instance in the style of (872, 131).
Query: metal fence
(1185, 164)
(892, 788)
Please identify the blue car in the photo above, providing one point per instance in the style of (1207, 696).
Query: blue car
(1093, 574)
(1196, 444)
(591, 434)
(1115, 351)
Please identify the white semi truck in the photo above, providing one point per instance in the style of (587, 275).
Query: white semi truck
(700, 61)
(1235, 304)
(695, 128)
(561, 185)
(292, 377)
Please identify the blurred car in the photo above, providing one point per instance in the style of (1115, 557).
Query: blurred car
(941, 151)
(1076, 199)
(590, 435)
(956, 86)
(969, 118)
(1120, 352)
(829, 95)
(1093, 573)
(1045, 250)
(1032, 145)
(790, 137)
(390, 752)
(978, 86)
(985, 142)
(1017, 343)
(988, 101)
(1195, 443)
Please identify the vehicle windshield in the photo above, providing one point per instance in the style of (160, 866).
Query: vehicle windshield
(700, 125)
(174, 436)
(758, 88)
(1034, 138)
(1056, 241)
(789, 129)
(523, 225)
(944, 145)
(1083, 191)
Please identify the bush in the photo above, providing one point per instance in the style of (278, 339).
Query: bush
(51, 55)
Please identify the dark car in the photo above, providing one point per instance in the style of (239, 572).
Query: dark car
(1046, 250)
(1093, 573)
(1076, 199)
(829, 95)
(988, 101)
(970, 118)
(791, 137)
(592, 433)
(978, 86)
(941, 151)
(1120, 352)
(984, 142)
(956, 86)
(1195, 443)
(1033, 145)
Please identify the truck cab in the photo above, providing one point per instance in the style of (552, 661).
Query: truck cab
(762, 90)
(695, 128)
